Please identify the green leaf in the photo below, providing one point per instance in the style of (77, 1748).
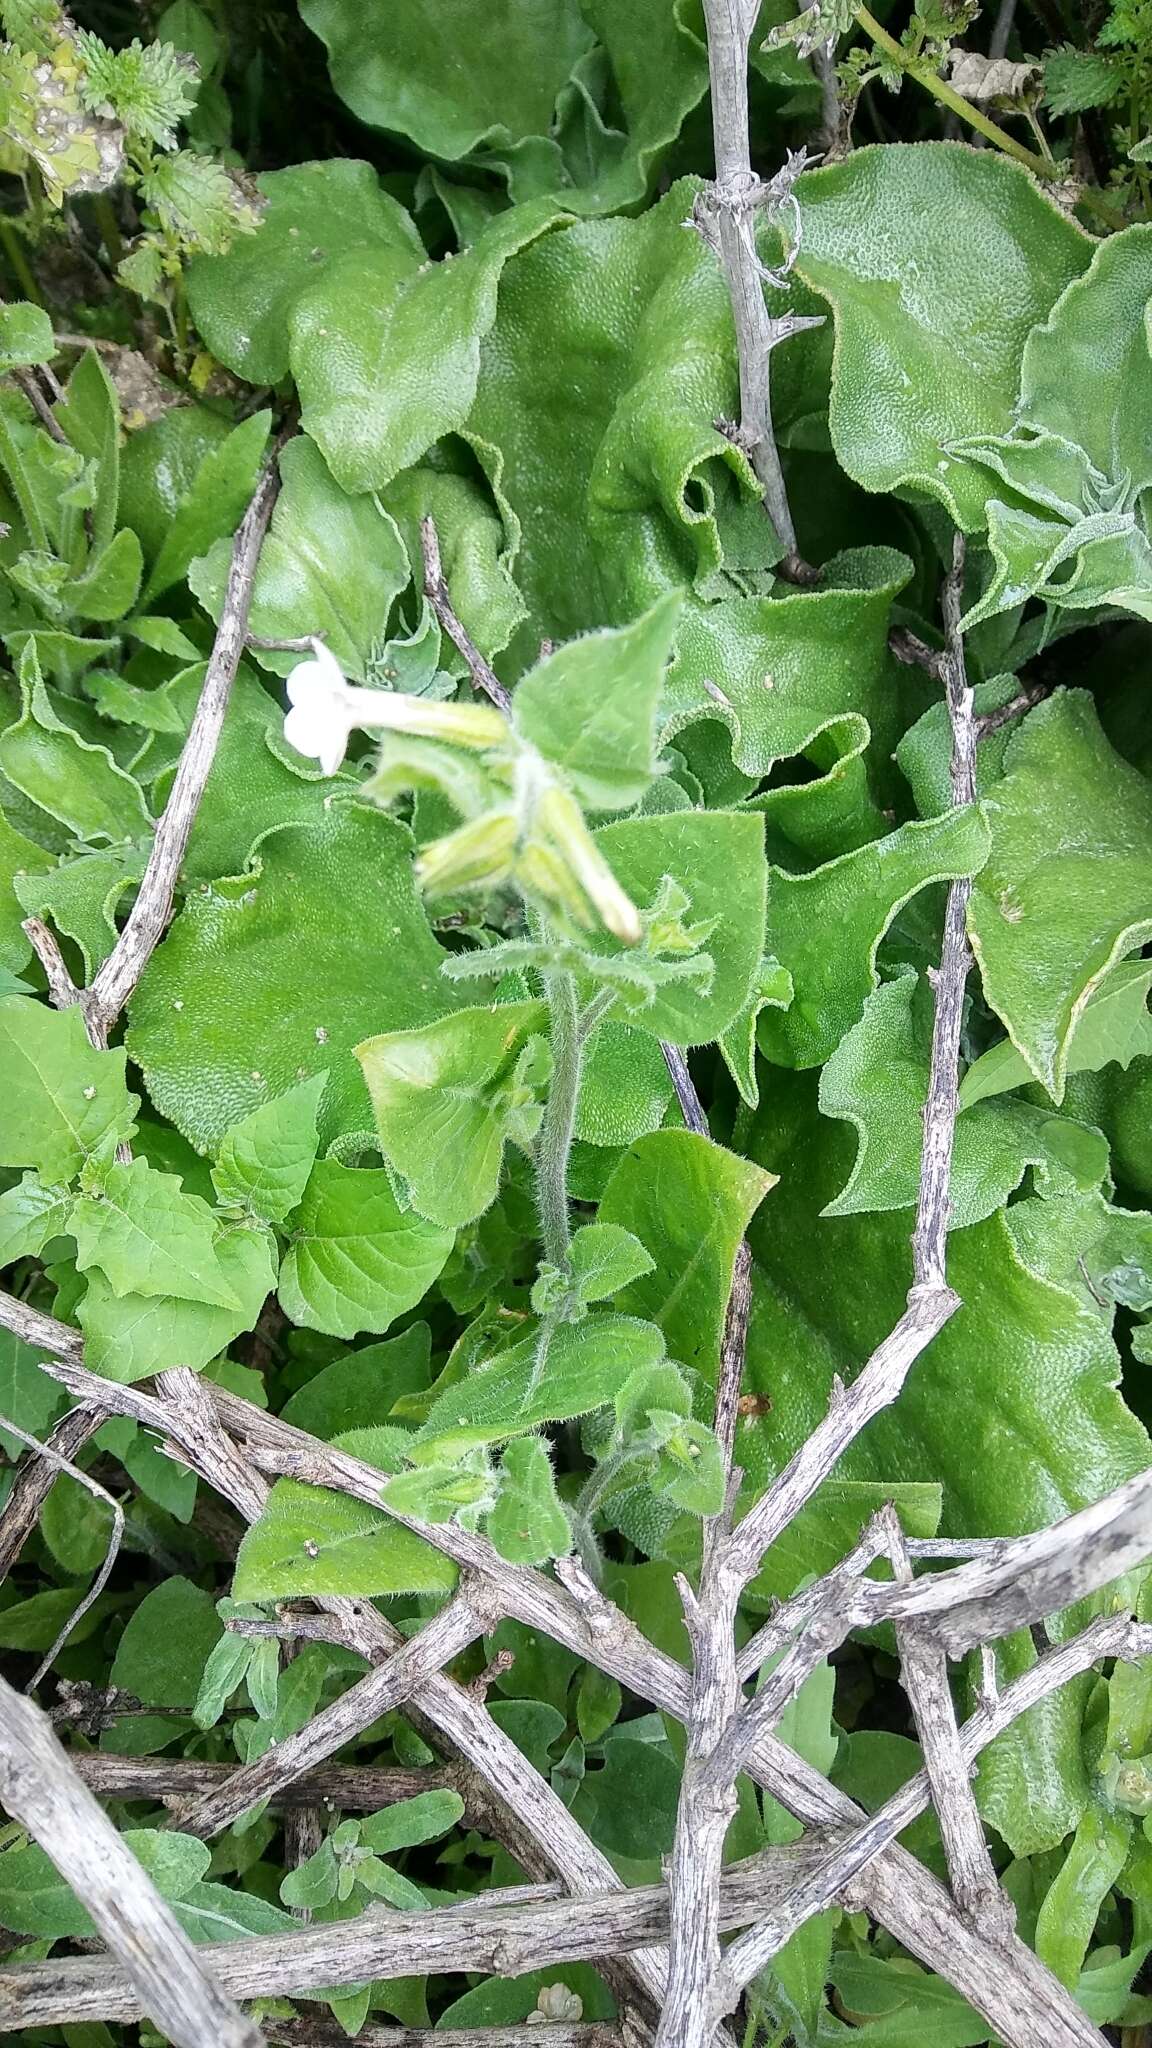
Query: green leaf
(825, 927)
(1067, 1918)
(80, 897)
(110, 583)
(252, 788)
(36, 1900)
(330, 563)
(591, 708)
(1086, 373)
(264, 1161)
(625, 1086)
(213, 505)
(218, 1023)
(604, 1257)
(31, 1213)
(411, 1822)
(20, 860)
(1065, 893)
(716, 859)
(89, 413)
(528, 1525)
(27, 1396)
(930, 330)
(634, 316)
(63, 1100)
(410, 347)
(313, 1882)
(485, 78)
(315, 213)
(25, 336)
(215, 1912)
(877, 1079)
(447, 1097)
(166, 1644)
(898, 2005)
(310, 1541)
(587, 1364)
(689, 1202)
(360, 1388)
(52, 765)
(356, 1260)
(129, 1337)
(148, 1237)
(1113, 1028)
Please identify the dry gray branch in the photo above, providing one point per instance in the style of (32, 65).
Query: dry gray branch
(436, 591)
(173, 1781)
(316, 2033)
(505, 1939)
(467, 1615)
(167, 1980)
(726, 216)
(57, 1464)
(1020, 1998)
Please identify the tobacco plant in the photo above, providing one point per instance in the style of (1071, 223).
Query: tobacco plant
(554, 652)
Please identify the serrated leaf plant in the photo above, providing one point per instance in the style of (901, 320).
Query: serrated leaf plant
(575, 870)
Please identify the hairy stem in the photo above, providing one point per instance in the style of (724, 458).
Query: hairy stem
(554, 1144)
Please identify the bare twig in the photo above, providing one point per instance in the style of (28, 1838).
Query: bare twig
(317, 2033)
(165, 1977)
(466, 1616)
(691, 1108)
(148, 917)
(436, 591)
(175, 1780)
(726, 214)
(58, 1463)
(1020, 1998)
(931, 1302)
(37, 1476)
(506, 1939)
(1113, 1635)
(61, 987)
(707, 1800)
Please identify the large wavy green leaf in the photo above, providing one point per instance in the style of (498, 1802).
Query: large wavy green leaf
(931, 326)
(275, 974)
(1067, 890)
(610, 360)
(825, 927)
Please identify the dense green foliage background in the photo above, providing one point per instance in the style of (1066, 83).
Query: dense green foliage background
(455, 244)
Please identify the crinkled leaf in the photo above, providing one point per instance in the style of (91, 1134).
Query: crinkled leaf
(625, 1086)
(930, 329)
(330, 563)
(62, 1100)
(315, 213)
(825, 927)
(410, 335)
(66, 776)
(877, 1079)
(1086, 371)
(446, 1098)
(1067, 889)
(311, 1541)
(264, 1161)
(355, 1259)
(20, 860)
(221, 1021)
(80, 897)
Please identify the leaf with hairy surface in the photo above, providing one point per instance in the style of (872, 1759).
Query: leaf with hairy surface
(355, 1259)
(337, 899)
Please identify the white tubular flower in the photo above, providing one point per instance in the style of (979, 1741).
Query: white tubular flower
(322, 716)
(326, 709)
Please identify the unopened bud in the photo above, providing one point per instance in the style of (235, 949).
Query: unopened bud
(476, 856)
